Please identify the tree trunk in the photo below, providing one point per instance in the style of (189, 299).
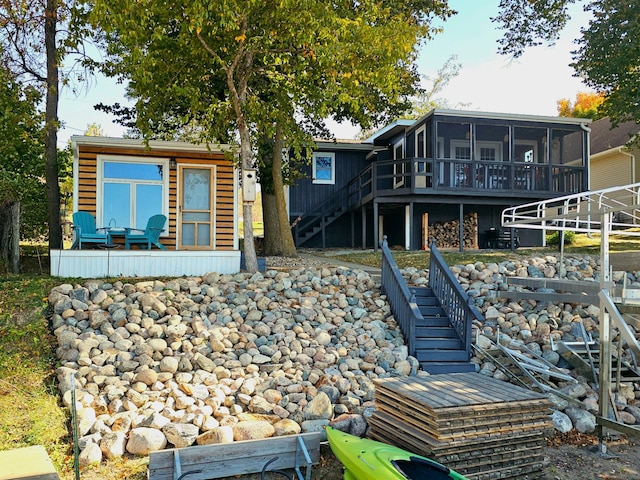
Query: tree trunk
(10, 236)
(288, 247)
(250, 256)
(51, 126)
(272, 241)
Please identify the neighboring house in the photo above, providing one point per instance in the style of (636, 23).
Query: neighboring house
(448, 174)
(615, 160)
(123, 182)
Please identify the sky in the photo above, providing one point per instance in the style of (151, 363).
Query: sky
(487, 81)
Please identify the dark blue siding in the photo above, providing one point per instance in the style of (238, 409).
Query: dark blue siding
(306, 195)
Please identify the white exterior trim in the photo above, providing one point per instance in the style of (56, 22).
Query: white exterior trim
(142, 263)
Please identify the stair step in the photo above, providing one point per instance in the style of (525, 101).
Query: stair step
(422, 292)
(431, 311)
(436, 368)
(439, 343)
(435, 322)
(436, 331)
(427, 302)
(423, 355)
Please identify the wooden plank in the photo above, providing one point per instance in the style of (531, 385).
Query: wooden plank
(29, 463)
(569, 286)
(549, 297)
(236, 458)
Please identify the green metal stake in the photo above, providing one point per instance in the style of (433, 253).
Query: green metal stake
(74, 429)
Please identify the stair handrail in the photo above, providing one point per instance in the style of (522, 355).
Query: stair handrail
(456, 303)
(401, 300)
(349, 196)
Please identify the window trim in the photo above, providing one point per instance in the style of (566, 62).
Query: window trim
(317, 181)
(496, 145)
(456, 142)
(402, 170)
(100, 179)
(422, 130)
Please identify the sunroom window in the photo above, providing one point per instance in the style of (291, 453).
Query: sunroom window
(131, 190)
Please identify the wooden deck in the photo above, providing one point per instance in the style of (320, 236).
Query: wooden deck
(479, 426)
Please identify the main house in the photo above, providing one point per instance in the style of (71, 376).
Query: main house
(615, 156)
(445, 177)
(122, 183)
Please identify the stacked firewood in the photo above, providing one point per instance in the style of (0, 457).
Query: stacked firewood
(446, 234)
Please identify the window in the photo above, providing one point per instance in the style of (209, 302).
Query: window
(130, 190)
(460, 150)
(489, 151)
(324, 168)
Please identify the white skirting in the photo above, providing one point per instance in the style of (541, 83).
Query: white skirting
(141, 263)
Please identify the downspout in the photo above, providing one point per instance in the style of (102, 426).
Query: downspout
(633, 168)
(586, 129)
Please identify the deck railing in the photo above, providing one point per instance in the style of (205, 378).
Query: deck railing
(454, 300)
(402, 302)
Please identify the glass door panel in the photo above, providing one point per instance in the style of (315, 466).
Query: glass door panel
(196, 213)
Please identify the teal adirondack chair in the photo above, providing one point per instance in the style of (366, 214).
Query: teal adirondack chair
(150, 236)
(84, 225)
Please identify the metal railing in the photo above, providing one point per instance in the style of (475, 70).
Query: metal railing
(400, 298)
(454, 300)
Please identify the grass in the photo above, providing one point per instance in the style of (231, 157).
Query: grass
(583, 245)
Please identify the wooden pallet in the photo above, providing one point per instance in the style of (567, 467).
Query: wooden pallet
(479, 426)
(237, 458)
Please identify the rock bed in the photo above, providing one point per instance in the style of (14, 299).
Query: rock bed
(223, 358)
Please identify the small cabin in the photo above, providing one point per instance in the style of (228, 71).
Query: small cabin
(122, 183)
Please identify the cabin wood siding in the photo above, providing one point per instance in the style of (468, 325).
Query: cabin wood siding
(611, 170)
(224, 187)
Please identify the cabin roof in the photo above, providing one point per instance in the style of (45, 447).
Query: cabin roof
(136, 143)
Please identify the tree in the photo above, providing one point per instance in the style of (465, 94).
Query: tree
(21, 167)
(36, 36)
(609, 49)
(427, 100)
(609, 55)
(279, 61)
(586, 105)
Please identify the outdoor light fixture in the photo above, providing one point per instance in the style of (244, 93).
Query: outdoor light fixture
(172, 163)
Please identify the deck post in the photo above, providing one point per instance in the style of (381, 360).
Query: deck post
(376, 226)
(363, 211)
(353, 229)
(408, 216)
(604, 380)
(461, 228)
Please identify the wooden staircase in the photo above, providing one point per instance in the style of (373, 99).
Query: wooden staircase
(317, 224)
(437, 345)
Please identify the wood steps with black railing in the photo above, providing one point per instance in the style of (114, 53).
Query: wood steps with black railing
(438, 347)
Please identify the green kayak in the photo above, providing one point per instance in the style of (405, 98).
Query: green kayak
(366, 459)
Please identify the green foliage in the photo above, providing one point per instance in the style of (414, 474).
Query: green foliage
(21, 154)
(530, 23)
(608, 55)
(554, 238)
(225, 64)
